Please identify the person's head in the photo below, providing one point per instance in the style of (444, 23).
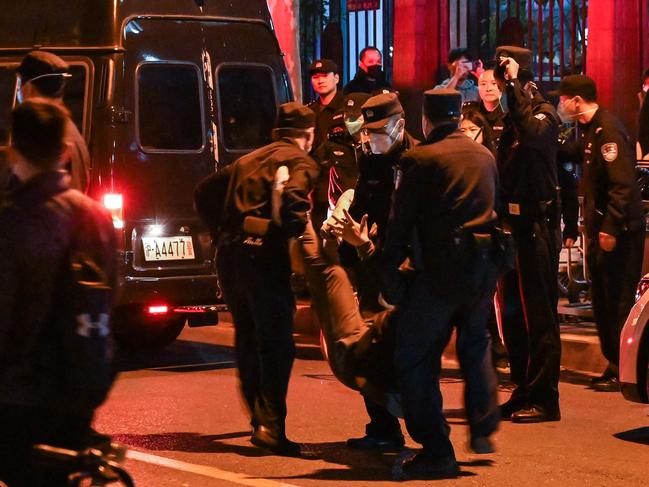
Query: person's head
(324, 77)
(645, 81)
(371, 61)
(297, 122)
(42, 74)
(456, 57)
(383, 123)
(521, 55)
(38, 134)
(440, 107)
(577, 97)
(475, 126)
(489, 88)
(352, 113)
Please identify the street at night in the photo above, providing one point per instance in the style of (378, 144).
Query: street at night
(180, 413)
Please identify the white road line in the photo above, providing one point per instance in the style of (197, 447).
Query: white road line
(212, 472)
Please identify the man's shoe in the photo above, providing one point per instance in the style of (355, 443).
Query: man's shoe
(482, 445)
(424, 466)
(511, 406)
(535, 414)
(608, 385)
(278, 444)
(388, 444)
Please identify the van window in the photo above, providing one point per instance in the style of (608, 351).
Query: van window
(247, 105)
(74, 96)
(169, 110)
(7, 94)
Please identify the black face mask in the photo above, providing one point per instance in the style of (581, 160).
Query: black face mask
(375, 72)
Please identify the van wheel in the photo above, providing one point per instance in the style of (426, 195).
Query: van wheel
(134, 330)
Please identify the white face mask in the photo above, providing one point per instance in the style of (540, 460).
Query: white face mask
(567, 117)
(382, 143)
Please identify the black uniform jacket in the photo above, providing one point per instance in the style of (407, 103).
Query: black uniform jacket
(37, 227)
(527, 153)
(339, 155)
(363, 84)
(449, 186)
(497, 120)
(244, 188)
(378, 176)
(612, 200)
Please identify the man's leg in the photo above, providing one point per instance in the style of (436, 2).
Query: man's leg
(538, 267)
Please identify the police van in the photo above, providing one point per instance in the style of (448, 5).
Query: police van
(164, 92)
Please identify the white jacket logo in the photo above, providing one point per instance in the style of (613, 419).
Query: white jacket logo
(86, 327)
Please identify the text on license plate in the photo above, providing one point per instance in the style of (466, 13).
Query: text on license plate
(168, 248)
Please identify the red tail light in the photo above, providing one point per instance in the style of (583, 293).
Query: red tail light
(158, 309)
(114, 202)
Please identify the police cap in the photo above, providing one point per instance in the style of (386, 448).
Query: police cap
(442, 104)
(521, 55)
(324, 66)
(577, 85)
(378, 110)
(294, 115)
(353, 103)
(46, 69)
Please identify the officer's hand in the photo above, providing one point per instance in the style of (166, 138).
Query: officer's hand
(607, 242)
(569, 243)
(511, 67)
(353, 232)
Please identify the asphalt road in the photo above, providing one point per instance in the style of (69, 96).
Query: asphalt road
(180, 413)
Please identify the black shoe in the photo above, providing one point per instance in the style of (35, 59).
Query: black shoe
(278, 444)
(379, 443)
(611, 384)
(482, 445)
(424, 466)
(511, 406)
(536, 414)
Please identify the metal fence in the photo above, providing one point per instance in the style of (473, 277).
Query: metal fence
(329, 29)
(554, 30)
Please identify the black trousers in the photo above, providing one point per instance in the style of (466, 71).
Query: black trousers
(256, 288)
(614, 278)
(529, 298)
(423, 329)
(22, 427)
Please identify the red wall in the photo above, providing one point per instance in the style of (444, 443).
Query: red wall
(421, 44)
(616, 54)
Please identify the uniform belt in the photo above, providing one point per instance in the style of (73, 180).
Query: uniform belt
(539, 208)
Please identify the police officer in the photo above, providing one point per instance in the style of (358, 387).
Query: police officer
(447, 198)
(613, 215)
(490, 91)
(326, 106)
(386, 141)
(253, 207)
(370, 77)
(529, 206)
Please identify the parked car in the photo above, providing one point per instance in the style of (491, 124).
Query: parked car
(165, 92)
(634, 348)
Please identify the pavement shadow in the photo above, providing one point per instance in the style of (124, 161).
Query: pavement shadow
(637, 435)
(180, 356)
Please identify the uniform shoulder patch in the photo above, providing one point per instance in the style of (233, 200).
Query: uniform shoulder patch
(540, 116)
(609, 151)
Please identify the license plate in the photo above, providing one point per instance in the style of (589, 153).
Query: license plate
(168, 248)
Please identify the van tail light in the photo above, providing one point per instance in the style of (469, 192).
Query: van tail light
(643, 285)
(157, 310)
(114, 202)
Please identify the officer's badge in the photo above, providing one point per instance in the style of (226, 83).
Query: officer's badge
(609, 151)
(540, 116)
(350, 103)
(339, 153)
(369, 113)
(318, 65)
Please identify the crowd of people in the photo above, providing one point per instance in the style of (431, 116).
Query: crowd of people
(401, 242)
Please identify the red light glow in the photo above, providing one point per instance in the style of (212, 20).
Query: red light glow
(159, 309)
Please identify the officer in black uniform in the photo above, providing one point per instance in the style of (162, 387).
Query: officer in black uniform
(613, 215)
(386, 141)
(490, 91)
(329, 101)
(446, 198)
(253, 207)
(530, 207)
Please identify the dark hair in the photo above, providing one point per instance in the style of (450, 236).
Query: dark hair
(473, 115)
(289, 132)
(458, 53)
(368, 48)
(645, 74)
(38, 130)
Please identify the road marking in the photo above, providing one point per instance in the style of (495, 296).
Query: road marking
(212, 472)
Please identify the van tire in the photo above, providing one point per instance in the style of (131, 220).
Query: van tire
(133, 330)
